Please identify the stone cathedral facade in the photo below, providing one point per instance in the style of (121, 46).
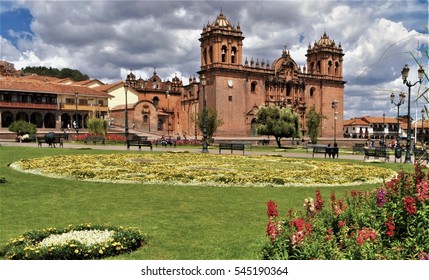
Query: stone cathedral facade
(237, 88)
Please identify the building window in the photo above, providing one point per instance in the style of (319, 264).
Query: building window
(155, 102)
(145, 119)
(312, 91)
(233, 52)
(223, 52)
(253, 87)
(230, 98)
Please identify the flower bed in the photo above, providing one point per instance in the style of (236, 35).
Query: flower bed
(74, 243)
(391, 222)
(203, 169)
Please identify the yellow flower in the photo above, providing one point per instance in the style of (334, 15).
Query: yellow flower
(76, 251)
(100, 252)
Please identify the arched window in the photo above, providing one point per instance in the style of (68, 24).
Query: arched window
(223, 52)
(312, 91)
(211, 54)
(253, 87)
(233, 53)
(318, 67)
(312, 67)
(337, 68)
(329, 67)
(145, 118)
(155, 101)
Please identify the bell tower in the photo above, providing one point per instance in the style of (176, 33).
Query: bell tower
(325, 58)
(221, 44)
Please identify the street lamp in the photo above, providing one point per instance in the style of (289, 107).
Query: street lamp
(404, 73)
(76, 124)
(205, 146)
(126, 110)
(401, 101)
(334, 106)
(423, 120)
(384, 127)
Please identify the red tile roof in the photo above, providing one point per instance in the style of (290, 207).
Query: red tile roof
(35, 85)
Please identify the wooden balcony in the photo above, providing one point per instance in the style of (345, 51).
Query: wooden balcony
(25, 105)
(89, 108)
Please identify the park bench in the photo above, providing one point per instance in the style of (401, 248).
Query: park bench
(358, 148)
(421, 156)
(94, 140)
(376, 153)
(330, 151)
(231, 146)
(264, 142)
(50, 141)
(139, 143)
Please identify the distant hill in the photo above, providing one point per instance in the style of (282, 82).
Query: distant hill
(76, 75)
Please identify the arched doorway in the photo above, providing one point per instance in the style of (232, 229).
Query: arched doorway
(21, 116)
(66, 121)
(49, 120)
(36, 119)
(253, 128)
(6, 119)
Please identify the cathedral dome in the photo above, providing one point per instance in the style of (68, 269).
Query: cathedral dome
(325, 41)
(221, 21)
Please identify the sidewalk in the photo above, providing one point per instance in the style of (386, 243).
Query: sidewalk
(214, 150)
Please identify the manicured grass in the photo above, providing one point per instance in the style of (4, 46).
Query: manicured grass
(182, 222)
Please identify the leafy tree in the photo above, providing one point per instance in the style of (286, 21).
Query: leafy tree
(96, 126)
(23, 126)
(212, 123)
(76, 75)
(278, 122)
(314, 120)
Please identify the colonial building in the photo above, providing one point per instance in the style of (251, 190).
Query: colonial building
(236, 90)
(50, 102)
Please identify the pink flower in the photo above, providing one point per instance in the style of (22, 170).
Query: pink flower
(422, 191)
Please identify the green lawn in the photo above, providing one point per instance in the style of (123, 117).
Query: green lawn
(181, 222)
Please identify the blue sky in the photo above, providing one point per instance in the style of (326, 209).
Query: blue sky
(106, 38)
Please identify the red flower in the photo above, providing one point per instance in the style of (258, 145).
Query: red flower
(390, 227)
(271, 231)
(298, 223)
(319, 201)
(409, 205)
(354, 193)
(341, 223)
(272, 209)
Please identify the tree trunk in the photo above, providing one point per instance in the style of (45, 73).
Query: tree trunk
(279, 143)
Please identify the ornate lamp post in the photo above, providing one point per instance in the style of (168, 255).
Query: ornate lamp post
(76, 124)
(384, 127)
(126, 110)
(401, 101)
(423, 129)
(405, 71)
(205, 146)
(334, 106)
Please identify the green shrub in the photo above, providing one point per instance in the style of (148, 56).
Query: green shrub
(23, 126)
(74, 243)
(390, 223)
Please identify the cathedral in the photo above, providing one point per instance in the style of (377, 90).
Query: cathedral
(236, 89)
